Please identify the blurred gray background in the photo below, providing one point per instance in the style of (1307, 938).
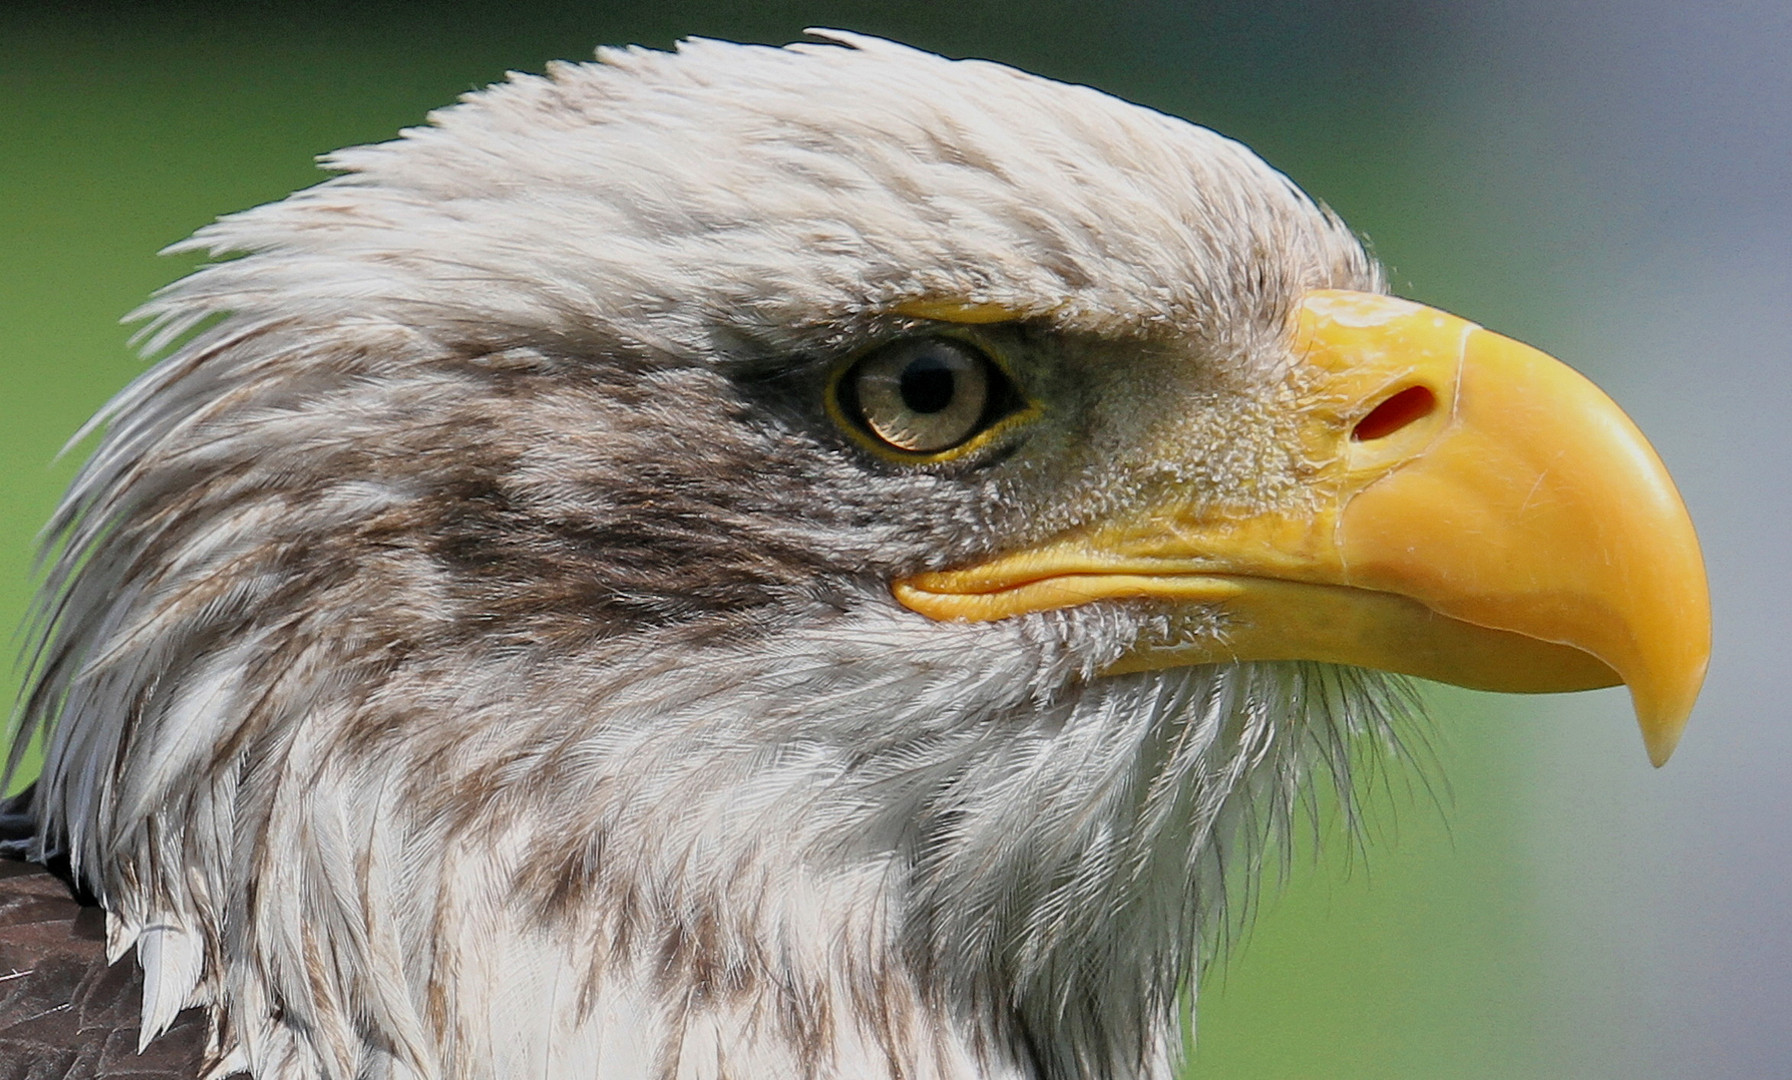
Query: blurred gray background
(1643, 154)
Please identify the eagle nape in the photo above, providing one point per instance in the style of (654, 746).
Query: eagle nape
(769, 562)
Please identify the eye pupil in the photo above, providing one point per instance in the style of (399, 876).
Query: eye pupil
(928, 385)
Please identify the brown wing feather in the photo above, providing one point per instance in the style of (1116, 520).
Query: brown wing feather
(64, 1014)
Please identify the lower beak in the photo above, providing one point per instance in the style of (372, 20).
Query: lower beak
(1479, 514)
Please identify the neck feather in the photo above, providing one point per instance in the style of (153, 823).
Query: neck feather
(844, 850)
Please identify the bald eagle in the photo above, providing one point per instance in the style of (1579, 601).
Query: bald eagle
(770, 562)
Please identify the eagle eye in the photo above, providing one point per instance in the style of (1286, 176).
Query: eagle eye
(925, 395)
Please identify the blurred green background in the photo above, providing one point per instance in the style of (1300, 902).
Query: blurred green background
(1434, 949)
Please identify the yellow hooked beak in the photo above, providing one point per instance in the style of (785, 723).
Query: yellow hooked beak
(1480, 514)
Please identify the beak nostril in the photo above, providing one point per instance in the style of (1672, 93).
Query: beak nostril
(1409, 405)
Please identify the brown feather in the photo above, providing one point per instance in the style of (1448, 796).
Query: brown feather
(64, 1013)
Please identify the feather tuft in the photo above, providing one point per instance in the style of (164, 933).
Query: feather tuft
(172, 960)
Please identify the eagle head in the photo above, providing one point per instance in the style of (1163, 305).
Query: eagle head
(776, 562)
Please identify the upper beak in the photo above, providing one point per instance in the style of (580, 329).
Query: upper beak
(1479, 514)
